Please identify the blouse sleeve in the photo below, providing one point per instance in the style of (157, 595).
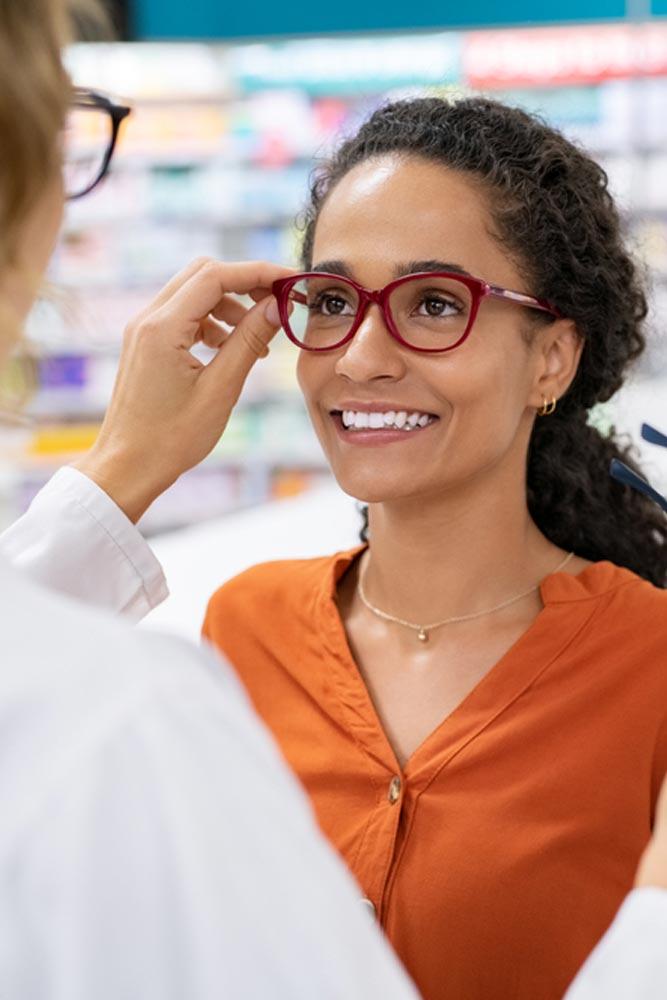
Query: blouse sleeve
(74, 539)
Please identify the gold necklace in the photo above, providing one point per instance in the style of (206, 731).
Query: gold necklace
(423, 630)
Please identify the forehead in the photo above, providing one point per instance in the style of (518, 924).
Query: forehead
(391, 209)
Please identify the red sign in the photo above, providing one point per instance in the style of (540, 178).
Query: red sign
(544, 56)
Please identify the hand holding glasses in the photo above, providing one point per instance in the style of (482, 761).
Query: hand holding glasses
(89, 139)
(622, 474)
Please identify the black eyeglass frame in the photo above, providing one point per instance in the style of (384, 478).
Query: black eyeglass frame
(83, 98)
(478, 288)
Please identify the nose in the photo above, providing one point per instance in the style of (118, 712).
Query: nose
(372, 353)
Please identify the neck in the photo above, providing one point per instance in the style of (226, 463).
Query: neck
(455, 555)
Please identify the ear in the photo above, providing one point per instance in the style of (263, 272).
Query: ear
(558, 348)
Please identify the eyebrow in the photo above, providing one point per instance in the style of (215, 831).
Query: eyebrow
(400, 270)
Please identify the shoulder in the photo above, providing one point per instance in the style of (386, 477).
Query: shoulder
(609, 586)
(630, 594)
(67, 663)
(76, 683)
(626, 611)
(620, 619)
(279, 587)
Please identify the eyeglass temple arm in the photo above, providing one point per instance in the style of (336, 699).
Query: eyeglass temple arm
(85, 98)
(523, 300)
(622, 474)
(654, 436)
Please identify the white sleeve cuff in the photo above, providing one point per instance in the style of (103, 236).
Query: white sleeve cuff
(631, 959)
(76, 540)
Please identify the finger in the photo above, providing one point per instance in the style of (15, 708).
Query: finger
(211, 333)
(229, 310)
(178, 319)
(174, 284)
(235, 272)
(257, 294)
(248, 342)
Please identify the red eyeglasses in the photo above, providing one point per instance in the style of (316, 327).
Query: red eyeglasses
(429, 312)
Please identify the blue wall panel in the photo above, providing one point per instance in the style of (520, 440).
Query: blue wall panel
(155, 19)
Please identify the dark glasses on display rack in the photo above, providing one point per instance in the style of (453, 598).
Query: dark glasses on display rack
(622, 474)
(89, 139)
(428, 311)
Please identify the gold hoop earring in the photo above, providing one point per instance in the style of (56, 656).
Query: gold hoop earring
(546, 409)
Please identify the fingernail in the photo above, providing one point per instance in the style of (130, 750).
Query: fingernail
(271, 312)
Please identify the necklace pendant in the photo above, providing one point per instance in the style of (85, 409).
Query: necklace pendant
(422, 635)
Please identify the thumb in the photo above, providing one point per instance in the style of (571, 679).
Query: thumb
(248, 341)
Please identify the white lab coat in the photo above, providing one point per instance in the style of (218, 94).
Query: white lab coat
(153, 845)
(630, 963)
(76, 540)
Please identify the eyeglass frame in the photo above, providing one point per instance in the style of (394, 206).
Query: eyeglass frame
(477, 287)
(83, 98)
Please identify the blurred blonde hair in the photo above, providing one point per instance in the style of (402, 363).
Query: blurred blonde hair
(34, 94)
(35, 91)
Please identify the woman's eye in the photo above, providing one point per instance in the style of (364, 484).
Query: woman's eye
(436, 306)
(330, 305)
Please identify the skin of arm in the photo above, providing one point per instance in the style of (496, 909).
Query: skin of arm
(652, 870)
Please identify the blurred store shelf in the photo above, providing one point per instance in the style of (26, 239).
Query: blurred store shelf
(197, 560)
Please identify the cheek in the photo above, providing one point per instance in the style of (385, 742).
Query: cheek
(487, 387)
(40, 230)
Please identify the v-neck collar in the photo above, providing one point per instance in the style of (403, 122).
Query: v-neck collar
(569, 601)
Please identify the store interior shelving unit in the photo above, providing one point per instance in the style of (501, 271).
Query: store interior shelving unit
(215, 160)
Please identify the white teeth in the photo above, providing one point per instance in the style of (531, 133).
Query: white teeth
(376, 420)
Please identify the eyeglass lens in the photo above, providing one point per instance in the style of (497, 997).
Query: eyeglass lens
(86, 140)
(430, 313)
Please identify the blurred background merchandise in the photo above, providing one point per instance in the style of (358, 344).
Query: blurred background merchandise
(215, 160)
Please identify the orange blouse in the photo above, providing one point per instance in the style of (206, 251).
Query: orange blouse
(497, 856)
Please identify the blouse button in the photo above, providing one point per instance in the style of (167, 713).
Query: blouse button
(369, 906)
(394, 792)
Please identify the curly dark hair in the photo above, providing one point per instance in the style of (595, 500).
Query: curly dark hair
(554, 215)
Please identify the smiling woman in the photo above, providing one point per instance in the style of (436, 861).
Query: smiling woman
(466, 298)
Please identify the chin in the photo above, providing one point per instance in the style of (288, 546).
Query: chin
(366, 489)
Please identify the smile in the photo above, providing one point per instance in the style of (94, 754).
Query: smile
(397, 420)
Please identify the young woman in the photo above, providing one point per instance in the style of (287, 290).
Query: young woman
(476, 701)
(476, 697)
